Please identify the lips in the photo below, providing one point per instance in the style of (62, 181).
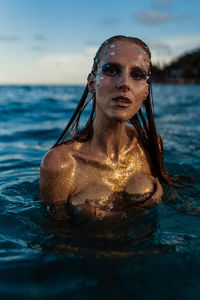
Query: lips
(122, 101)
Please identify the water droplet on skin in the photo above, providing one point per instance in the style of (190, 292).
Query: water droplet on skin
(139, 52)
(112, 46)
(144, 52)
(106, 52)
(98, 85)
(142, 64)
(100, 78)
(112, 53)
(117, 48)
(136, 47)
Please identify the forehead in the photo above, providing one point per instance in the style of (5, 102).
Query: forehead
(124, 52)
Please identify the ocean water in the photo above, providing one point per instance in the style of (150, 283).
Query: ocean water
(152, 256)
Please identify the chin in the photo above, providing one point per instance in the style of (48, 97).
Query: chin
(120, 117)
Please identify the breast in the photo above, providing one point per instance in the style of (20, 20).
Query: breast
(140, 186)
(138, 190)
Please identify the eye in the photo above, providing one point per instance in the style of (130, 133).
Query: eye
(136, 75)
(110, 70)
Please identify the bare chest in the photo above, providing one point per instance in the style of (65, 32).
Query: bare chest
(100, 179)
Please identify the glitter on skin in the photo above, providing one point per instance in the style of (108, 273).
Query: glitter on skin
(124, 179)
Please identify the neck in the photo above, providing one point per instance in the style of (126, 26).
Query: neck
(109, 137)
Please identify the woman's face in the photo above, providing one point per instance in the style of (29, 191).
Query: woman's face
(120, 83)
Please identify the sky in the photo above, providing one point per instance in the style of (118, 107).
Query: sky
(54, 41)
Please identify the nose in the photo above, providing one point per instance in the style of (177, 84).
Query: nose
(124, 82)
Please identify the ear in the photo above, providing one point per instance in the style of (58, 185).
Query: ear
(91, 83)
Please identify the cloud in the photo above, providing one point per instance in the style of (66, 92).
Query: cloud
(92, 43)
(183, 42)
(40, 37)
(37, 48)
(9, 38)
(159, 47)
(109, 21)
(71, 68)
(161, 52)
(161, 4)
(152, 17)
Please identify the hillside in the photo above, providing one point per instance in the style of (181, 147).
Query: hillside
(185, 69)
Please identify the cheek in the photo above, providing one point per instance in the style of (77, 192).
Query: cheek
(101, 93)
(143, 92)
(99, 81)
(103, 86)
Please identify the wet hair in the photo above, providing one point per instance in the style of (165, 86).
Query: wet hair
(143, 121)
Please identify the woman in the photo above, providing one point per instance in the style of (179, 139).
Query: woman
(108, 168)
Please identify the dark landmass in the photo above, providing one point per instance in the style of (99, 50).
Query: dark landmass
(184, 70)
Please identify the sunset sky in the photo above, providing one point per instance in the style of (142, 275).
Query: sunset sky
(54, 41)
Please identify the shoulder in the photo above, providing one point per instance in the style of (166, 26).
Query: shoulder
(58, 158)
(56, 174)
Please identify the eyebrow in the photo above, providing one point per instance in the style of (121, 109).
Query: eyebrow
(135, 68)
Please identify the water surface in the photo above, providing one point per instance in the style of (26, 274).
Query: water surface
(151, 256)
